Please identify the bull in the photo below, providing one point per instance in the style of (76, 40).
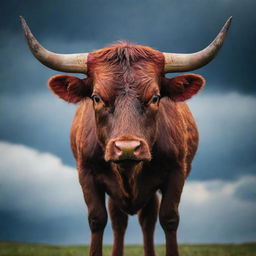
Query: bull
(132, 135)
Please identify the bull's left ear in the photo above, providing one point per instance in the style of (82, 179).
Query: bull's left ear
(183, 87)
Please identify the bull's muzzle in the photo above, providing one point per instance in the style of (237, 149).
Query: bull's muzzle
(133, 149)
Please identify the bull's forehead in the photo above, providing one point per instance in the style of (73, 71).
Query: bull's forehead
(125, 67)
(140, 79)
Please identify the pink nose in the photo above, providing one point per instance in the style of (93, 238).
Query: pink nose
(127, 149)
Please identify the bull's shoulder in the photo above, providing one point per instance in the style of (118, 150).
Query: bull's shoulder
(83, 131)
(177, 135)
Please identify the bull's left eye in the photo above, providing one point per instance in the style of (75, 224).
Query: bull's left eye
(155, 99)
(96, 98)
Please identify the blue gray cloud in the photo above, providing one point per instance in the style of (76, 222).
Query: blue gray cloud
(41, 201)
(247, 191)
(226, 125)
(39, 120)
(214, 206)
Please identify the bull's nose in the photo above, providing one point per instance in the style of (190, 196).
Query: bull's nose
(127, 149)
(122, 149)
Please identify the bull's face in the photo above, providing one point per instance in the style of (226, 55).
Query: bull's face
(126, 111)
(126, 128)
(126, 92)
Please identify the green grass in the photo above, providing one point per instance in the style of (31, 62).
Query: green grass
(23, 249)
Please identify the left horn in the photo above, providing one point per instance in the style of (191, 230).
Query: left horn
(72, 63)
(176, 62)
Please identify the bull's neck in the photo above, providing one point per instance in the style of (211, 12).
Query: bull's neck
(127, 176)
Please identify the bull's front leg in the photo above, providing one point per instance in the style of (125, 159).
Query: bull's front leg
(119, 223)
(168, 214)
(147, 218)
(97, 215)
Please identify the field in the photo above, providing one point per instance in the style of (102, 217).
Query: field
(21, 249)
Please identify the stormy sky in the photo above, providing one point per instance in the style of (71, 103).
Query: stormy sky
(40, 198)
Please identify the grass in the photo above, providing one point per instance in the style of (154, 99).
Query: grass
(24, 249)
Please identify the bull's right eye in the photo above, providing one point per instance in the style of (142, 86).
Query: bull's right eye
(154, 100)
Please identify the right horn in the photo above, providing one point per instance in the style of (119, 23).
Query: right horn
(73, 63)
(179, 62)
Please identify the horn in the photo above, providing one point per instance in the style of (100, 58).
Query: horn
(73, 63)
(179, 62)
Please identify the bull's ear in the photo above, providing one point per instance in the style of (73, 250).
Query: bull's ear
(183, 87)
(69, 88)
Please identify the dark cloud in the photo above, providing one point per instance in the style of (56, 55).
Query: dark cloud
(56, 230)
(226, 125)
(247, 191)
(178, 26)
(39, 120)
(20, 72)
(67, 230)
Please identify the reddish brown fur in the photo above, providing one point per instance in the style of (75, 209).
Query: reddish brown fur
(124, 63)
(68, 88)
(180, 87)
(127, 77)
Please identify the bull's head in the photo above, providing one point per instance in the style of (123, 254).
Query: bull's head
(126, 83)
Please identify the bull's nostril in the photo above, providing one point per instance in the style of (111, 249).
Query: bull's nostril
(137, 149)
(117, 150)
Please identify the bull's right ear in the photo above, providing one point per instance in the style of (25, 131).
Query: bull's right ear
(69, 88)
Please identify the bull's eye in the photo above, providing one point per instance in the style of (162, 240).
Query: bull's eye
(96, 99)
(155, 99)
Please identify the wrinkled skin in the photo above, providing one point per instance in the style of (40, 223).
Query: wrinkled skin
(131, 136)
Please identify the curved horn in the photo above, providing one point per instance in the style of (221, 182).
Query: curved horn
(73, 63)
(178, 62)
